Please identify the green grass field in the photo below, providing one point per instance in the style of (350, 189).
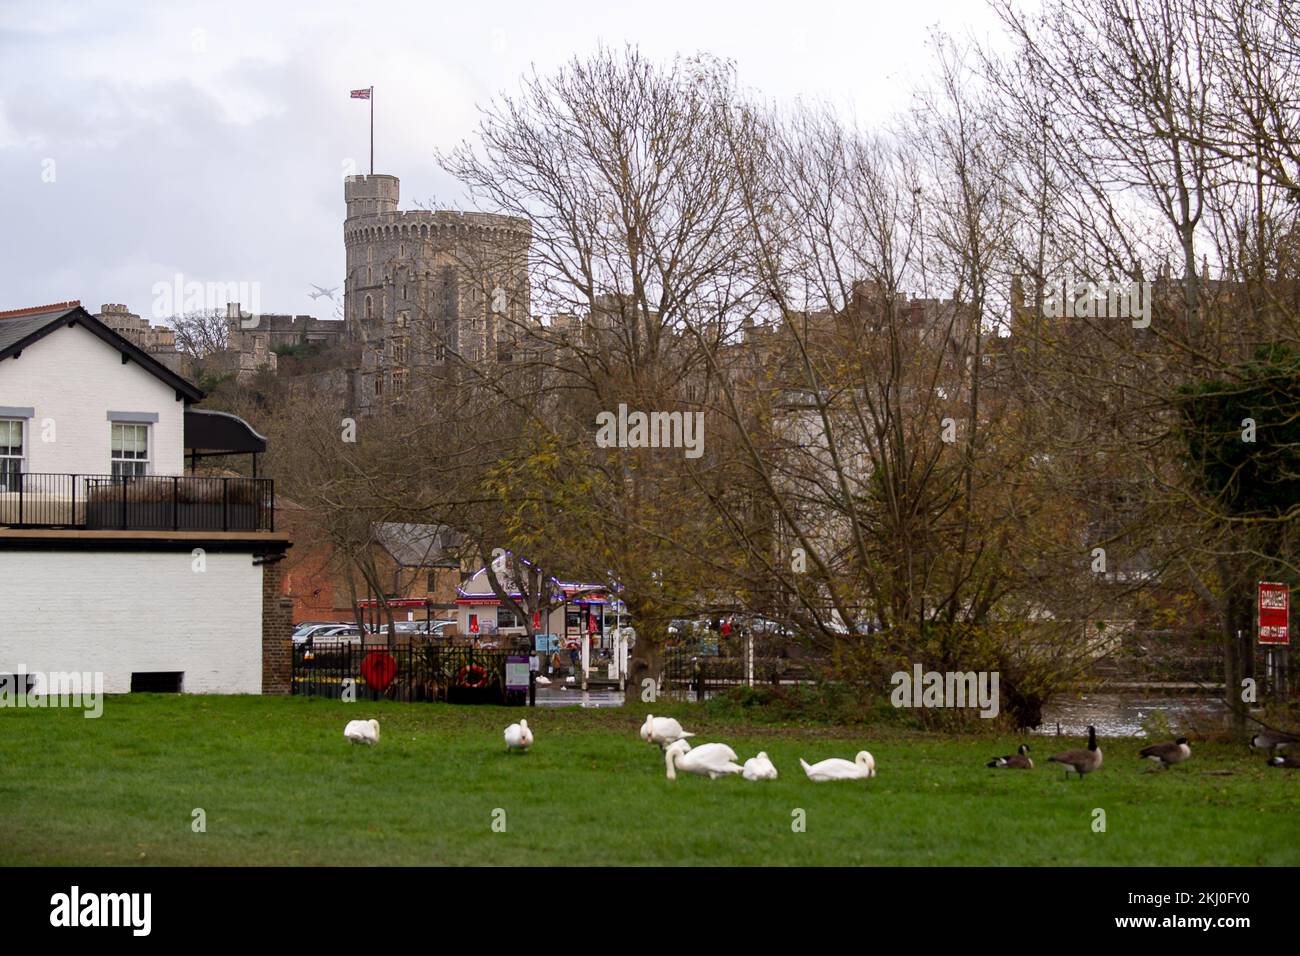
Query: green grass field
(280, 785)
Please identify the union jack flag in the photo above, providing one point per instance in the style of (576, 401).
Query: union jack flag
(361, 94)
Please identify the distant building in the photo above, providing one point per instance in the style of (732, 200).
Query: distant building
(252, 341)
(158, 340)
(424, 287)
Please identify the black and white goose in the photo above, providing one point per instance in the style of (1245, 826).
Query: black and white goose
(1271, 740)
(1080, 761)
(1167, 754)
(1016, 761)
(1289, 761)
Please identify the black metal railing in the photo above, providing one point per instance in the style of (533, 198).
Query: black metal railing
(688, 671)
(411, 672)
(137, 503)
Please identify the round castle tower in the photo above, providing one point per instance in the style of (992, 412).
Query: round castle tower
(425, 285)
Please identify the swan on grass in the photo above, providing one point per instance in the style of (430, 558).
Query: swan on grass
(759, 768)
(707, 760)
(861, 767)
(663, 731)
(362, 732)
(518, 736)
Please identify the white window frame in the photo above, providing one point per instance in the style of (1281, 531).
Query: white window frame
(139, 466)
(6, 456)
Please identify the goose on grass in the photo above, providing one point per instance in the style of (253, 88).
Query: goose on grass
(1167, 754)
(1016, 761)
(1080, 761)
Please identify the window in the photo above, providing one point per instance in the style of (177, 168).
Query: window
(379, 383)
(370, 308)
(440, 353)
(506, 618)
(11, 453)
(403, 319)
(399, 351)
(399, 381)
(130, 450)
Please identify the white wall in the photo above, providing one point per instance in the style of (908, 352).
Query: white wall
(119, 612)
(74, 378)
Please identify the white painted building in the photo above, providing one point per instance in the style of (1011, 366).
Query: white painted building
(112, 560)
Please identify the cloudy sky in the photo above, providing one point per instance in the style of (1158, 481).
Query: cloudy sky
(144, 141)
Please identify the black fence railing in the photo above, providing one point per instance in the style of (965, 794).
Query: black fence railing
(137, 503)
(704, 674)
(412, 673)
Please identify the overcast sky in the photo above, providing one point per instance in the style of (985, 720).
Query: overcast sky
(139, 141)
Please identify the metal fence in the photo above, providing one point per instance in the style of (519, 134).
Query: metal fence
(137, 502)
(416, 672)
(688, 671)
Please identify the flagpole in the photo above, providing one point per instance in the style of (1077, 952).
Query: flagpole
(372, 131)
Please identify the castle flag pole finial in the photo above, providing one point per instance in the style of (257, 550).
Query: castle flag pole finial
(369, 94)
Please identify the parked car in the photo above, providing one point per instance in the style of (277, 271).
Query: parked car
(333, 635)
(308, 631)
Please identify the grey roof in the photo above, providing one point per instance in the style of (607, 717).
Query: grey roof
(419, 545)
(18, 327)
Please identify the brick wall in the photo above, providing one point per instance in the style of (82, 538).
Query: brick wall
(277, 630)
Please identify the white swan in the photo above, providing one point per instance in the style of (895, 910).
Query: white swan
(711, 760)
(543, 680)
(518, 736)
(860, 767)
(362, 732)
(663, 731)
(759, 768)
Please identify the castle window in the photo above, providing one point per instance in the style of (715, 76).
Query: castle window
(370, 275)
(399, 351)
(401, 248)
(379, 384)
(399, 381)
(440, 353)
(370, 308)
(403, 293)
(403, 319)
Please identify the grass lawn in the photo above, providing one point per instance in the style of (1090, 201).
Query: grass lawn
(280, 785)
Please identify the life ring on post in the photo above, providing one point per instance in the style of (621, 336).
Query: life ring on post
(473, 676)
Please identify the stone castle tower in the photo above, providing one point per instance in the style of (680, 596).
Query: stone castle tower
(427, 289)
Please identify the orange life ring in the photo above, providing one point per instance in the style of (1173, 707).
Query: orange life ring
(473, 676)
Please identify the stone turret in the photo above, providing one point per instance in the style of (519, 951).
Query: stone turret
(426, 286)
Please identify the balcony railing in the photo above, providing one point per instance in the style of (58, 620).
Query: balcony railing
(137, 503)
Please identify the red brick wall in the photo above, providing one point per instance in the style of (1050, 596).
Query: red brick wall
(277, 630)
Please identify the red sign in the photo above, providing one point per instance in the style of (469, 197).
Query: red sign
(473, 623)
(1274, 613)
(537, 620)
(379, 669)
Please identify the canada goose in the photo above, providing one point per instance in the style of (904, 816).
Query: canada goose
(759, 768)
(1167, 754)
(710, 760)
(1271, 740)
(1080, 761)
(362, 732)
(662, 731)
(1016, 761)
(861, 767)
(1289, 761)
(518, 736)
